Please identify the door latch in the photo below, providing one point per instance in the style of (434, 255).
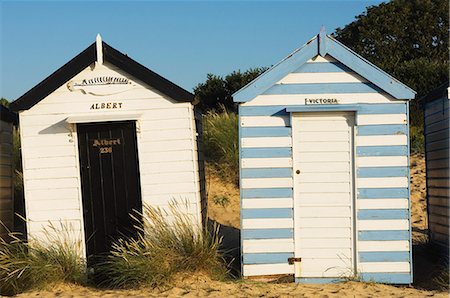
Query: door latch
(291, 261)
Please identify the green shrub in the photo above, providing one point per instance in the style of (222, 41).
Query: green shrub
(162, 250)
(221, 200)
(417, 139)
(35, 264)
(221, 143)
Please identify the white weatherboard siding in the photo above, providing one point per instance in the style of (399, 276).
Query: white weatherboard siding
(166, 137)
(325, 225)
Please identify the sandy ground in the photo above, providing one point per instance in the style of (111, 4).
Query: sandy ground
(224, 208)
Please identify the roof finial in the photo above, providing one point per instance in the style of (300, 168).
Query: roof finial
(322, 41)
(99, 47)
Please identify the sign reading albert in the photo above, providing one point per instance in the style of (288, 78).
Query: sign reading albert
(100, 86)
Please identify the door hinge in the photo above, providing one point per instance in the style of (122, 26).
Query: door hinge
(291, 261)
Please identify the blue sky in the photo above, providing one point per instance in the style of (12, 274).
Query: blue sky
(182, 41)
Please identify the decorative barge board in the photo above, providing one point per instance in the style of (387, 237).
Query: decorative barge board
(324, 164)
(7, 120)
(103, 136)
(436, 122)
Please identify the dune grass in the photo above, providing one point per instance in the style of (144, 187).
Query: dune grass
(37, 263)
(163, 249)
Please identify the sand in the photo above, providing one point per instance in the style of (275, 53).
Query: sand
(226, 212)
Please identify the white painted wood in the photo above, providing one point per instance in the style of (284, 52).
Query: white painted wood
(320, 59)
(381, 119)
(34, 227)
(267, 269)
(264, 223)
(168, 188)
(332, 167)
(313, 157)
(53, 183)
(266, 182)
(382, 204)
(62, 204)
(323, 211)
(325, 187)
(299, 99)
(267, 203)
(388, 140)
(382, 161)
(402, 245)
(325, 253)
(88, 118)
(383, 224)
(324, 177)
(386, 182)
(66, 214)
(152, 167)
(325, 77)
(50, 162)
(325, 242)
(54, 151)
(267, 245)
(51, 193)
(323, 136)
(318, 147)
(166, 146)
(324, 199)
(99, 49)
(392, 267)
(266, 142)
(311, 124)
(261, 121)
(282, 162)
(325, 233)
(330, 222)
(162, 178)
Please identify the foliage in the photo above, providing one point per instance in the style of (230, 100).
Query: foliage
(417, 139)
(4, 102)
(221, 143)
(216, 92)
(29, 265)
(162, 250)
(221, 200)
(406, 38)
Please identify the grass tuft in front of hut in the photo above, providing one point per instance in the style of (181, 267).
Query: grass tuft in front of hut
(221, 143)
(40, 262)
(163, 250)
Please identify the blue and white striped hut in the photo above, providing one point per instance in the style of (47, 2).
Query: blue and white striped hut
(324, 167)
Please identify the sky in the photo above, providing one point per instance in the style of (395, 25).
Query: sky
(181, 40)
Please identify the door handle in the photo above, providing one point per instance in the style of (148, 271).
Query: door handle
(297, 172)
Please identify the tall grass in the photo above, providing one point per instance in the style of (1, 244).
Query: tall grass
(162, 250)
(35, 264)
(417, 139)
(221, 143)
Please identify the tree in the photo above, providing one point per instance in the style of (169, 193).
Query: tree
(406, 38)
(217, 91)
(4, 102)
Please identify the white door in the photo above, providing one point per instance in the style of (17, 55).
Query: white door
(323, 194)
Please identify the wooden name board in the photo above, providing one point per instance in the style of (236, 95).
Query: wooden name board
(105, 145)
(106, 105)
(321, 101)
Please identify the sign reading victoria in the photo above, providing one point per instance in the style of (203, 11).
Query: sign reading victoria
(321, 101)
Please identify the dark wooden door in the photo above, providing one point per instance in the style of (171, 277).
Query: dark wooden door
(110, 183)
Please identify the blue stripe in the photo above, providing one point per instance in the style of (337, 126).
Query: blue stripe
(382, 150)
(383, 235)
(265, 152)
(267, 233)
(267, 193)
(267, 173)
(378, 214)
(266, 132)
(266, 258)
(382, 129)
(263, 111)
(323, 88)
(384, 256)
(372, 172)
(318, 280)
(323, 67)
(267, 213)
(320, 108)
(392, 278)
(382, 108)
(383, 193)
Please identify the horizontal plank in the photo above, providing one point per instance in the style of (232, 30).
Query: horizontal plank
(320, 147)
(438, 173)
(47, 215)
(329, 242)
(438, 154)
(267, 105)
(439, 210)
(267, 203)
(153, 167)
(393, 267)
(382, 204)
(324, 77)
(324, 167)
(265, 152)
(396, 245)
(53, 151)
(51, 193)
(323, 88)
(52, 183)
(258, 163)
(437, 145)
(162, 178)
(266, 173)
(331, 233)
(268, 142)
(150, 146)
(436, 106)
(391, 278)
(441, 182)
(150, 124)
(388, 140)
(382, 129)
(322, 67)
(441, 192)
(268, 245)
(267, 193)
(168, 188)
(330, 222)
(267, 233)
(385, 235)
(373, 172)
(384, 256)
(258, 223)
(54, 205)
(323, 211)
(438, 163)
(308, 157)
(264, 121)
(267, 213)
(383, 182)
(322, 124)
(437, 135)
(383, 224)
(383, 214)
(247, 183)
(248, 132)
(323, 187)
(325, 253)
(323, 177)
(382, 161)
(376, 119)
(52, 173)
(267, 269)
(266, 258)
(436, 201)
(50, 162)
(322, 136)
(325, 199)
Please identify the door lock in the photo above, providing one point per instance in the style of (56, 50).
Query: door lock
(297, 172)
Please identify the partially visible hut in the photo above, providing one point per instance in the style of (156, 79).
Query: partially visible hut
(436, 124)
(7, 120)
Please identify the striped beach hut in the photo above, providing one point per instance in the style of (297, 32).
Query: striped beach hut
(436, 124)
(103, 136)
(7, 120)
(324, 169)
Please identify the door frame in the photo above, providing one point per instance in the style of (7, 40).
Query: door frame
(297, 112)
